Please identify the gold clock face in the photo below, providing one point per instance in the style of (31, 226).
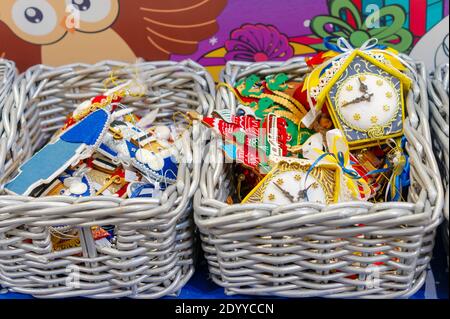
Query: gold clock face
(289, 182)
(367, 100)
(292, 187)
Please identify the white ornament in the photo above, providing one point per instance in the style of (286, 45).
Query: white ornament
(154, 161)
(75, 186)
(144, 156)
(162, 132)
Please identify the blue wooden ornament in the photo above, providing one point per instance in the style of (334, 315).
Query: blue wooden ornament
(77, 143)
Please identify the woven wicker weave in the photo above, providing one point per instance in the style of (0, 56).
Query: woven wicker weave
(8, 74)
(310, 249)
(438, 89)
(153, 253)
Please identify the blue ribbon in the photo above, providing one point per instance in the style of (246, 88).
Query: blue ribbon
(340, 161)
(331, 46)
(348, 172)
(399, 181)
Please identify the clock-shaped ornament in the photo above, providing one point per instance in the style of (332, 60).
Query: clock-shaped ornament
(365, 97)
(293, 180)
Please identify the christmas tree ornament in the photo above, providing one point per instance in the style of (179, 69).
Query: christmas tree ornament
(294, 181)
(108, 183)
(111, 97)
(271, 96)
(67, 237)
(248, 140)
(70, 183)
(126, 143)
(313, 142)
(76, 143)
(64, 237)
(143, 189)
(353, 185)
(364, 91)
(245, 180)
(277, 82)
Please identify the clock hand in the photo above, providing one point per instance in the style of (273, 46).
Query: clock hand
(362, 86)
(358, 99)
(366, 97)
(285, 193)
(303, 193)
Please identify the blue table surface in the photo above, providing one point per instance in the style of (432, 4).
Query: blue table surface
(200, 287)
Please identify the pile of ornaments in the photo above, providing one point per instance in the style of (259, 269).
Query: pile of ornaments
(334, 135)
(104, 149)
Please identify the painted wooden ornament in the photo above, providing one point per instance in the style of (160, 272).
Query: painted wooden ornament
(365, 97)
(143, 189)
(248, 140)
(353, 183)
(66, 237)
(76, 186)
(244, 180)
(112, 184)
(272, 96)
(76, 143)
(131, 145)
(295, 180)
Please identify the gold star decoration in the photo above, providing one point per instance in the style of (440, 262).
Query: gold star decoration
(386, 108)
(280, 181)
(356, 116)
(388, 95)
(315, 185)
(374, 119)
(349, 88)
(271, 197)
(297, 177)
(380, 82)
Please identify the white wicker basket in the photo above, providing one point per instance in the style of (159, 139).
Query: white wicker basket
(8, 74)
(153, 253)
(310, 249)
(438, 90)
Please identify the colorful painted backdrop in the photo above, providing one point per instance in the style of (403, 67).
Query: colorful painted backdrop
(213, 32)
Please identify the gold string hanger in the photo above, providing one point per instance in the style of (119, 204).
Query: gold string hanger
(186, 117)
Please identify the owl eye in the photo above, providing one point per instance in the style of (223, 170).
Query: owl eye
(82, 5)
(34, 17)
(92, 11)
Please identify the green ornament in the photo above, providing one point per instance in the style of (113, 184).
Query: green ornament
(249, 85)
(263, 105)
(292, 130)
(277, 82)
(305, 134)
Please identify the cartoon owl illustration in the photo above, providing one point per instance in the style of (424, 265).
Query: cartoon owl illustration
(57, 32)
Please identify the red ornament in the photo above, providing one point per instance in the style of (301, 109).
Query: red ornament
(315, 60)
(250, 146)
(69, 122)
